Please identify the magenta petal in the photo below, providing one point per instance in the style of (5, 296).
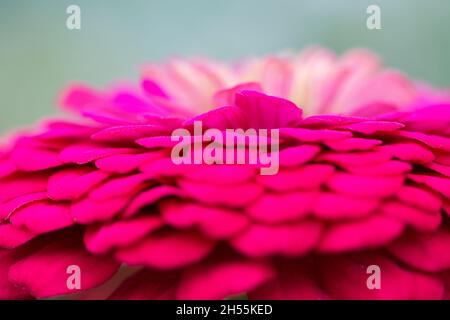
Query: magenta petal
(71, 184)
(217, 223)
(128, 133)
(308, 135)
(295, 156)
(422, 198)
(305, 177)
(227, 97)
(148, 285)
(42, 216)
(345, 277)
(35, 159)
(411, 152)
(89, 210)
(220, 174)
(222, 279)
(85, 153)
(267, 111)
(290, 240)
(369, 233)
(283, 207)
(118, 187)
(365, 185)
(12, 236)
(388, 168)
(150, 197)
(433, 141)
(101, 239)
(127, 163)
(7, 208)
(371, 127)
(22, 184)
(335, 206)
(44, 272)
(7, 167)
(294, 281)
(236, 196)
(353, 144)
(422, 220)
(438, 184)
(169, 250)
(8, 291)
(427, 252)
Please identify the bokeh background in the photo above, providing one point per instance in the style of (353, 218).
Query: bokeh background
(39, 55)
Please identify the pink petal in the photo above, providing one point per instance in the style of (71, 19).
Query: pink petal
(231, 196)
(345, 277)
(294, 156)
(365, 185)
(13, 236)
(294, 281)
(290, 240)
(411, 152)
(428, 251)
(355, 158)
(220, 174)
(306, 177)
(308, 135)
(438, 184)
(150, 197)
(335, 206)
(7, 208)
(420, 219)
(222, 279)
(117, 187)
(148, 285)
(101, 239)
(227, 97)
(85, 152)
(128, 133)
(35, 159)
(43, 216)
(72, 183)
(8, 291)
(388, 168)
(44, 272)
(420, 197)
(433, 141)
(276, 208)
(216, 223)
(22, 184)
(89, 210)
(371, 127)
(127, 163)
(169, 250)
(372, 232)
(267, 111)
(353, 144)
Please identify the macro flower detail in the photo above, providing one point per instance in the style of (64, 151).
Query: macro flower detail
(364, 179)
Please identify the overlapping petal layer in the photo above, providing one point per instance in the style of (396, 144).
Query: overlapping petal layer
(364, 179)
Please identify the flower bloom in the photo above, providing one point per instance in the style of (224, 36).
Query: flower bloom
(364, 180)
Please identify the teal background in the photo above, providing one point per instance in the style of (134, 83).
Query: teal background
(39, 56)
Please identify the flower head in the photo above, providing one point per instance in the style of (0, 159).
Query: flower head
(364, 179)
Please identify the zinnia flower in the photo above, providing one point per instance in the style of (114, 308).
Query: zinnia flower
(364, 180)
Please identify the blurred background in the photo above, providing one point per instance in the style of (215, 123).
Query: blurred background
(39, 55)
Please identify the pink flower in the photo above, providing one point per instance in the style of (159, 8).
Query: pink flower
(364, 180)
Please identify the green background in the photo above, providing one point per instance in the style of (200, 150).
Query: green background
(39, 55)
